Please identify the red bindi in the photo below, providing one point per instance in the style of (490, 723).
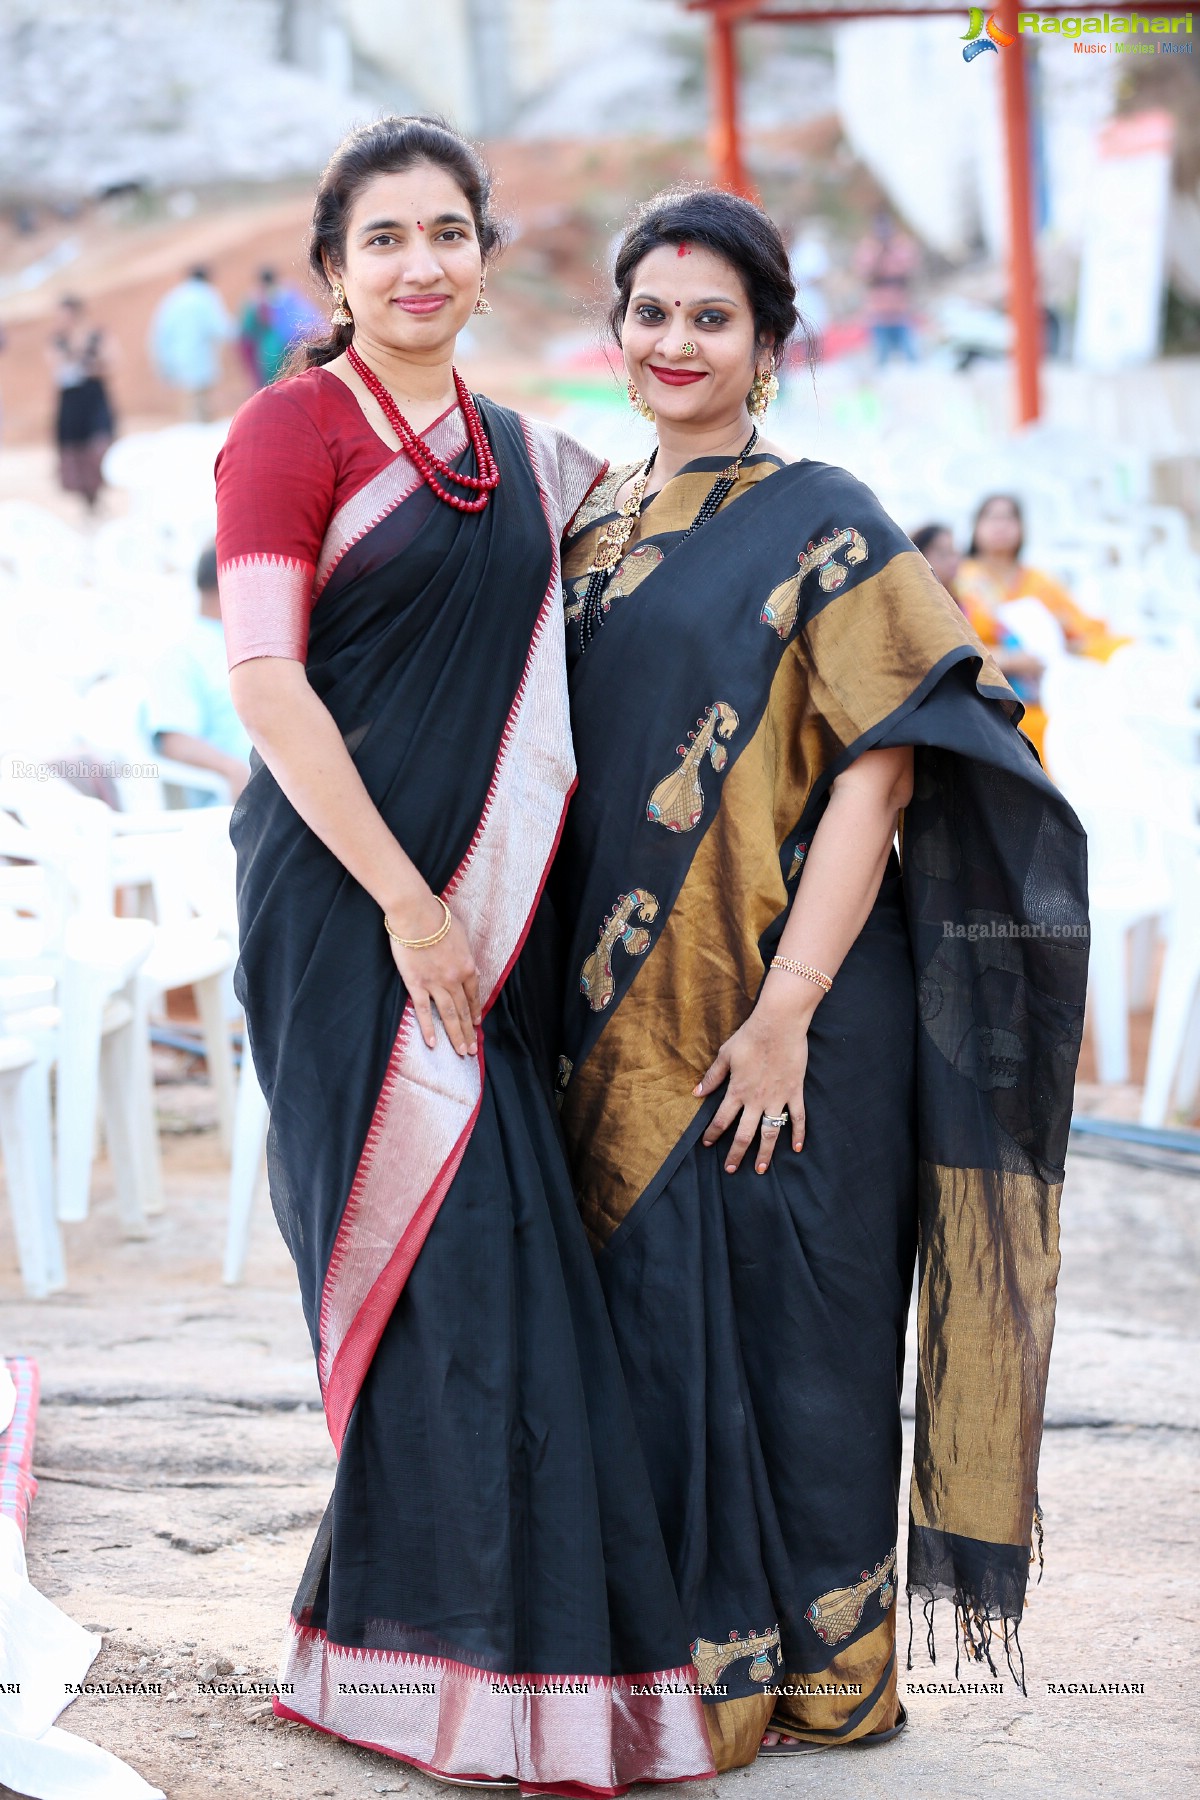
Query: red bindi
(677, 303)
(420, 227)
(684, 250)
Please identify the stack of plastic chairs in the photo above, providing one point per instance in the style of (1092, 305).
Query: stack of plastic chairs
(102, 975)
(69, 994)
(1122, 742)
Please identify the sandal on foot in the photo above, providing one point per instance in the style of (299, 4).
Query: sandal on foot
(793, 1746)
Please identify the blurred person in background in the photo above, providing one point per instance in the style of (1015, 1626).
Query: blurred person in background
(1021, 668)
(388, 550)
(190, 325)
(83, 424)
(190, 714)
(886, 261)
(937, 546)
(273, 320)
(762, 1095)
(991, 576)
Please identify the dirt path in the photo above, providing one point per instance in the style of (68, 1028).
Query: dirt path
(184, 1463)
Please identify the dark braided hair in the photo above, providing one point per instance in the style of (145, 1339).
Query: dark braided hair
(388, 147)
(732, 228)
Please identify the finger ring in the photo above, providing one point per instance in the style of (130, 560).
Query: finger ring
(775, 1123)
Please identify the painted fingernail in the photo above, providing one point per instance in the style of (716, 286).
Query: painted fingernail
(760, 1168)
(731, 1168)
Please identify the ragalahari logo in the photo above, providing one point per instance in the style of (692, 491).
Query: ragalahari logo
(980, 37)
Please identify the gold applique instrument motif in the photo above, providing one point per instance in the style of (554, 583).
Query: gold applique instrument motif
(783, 603)
(596, 980)
(712, 1659)
(630, 572)
(834, 1615)
(677, 803)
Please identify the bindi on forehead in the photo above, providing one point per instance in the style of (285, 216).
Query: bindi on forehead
(420, 227)
(684, 250)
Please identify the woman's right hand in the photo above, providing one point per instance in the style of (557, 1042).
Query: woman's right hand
(442, 976)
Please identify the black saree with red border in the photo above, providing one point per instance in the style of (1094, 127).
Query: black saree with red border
(488, 1592)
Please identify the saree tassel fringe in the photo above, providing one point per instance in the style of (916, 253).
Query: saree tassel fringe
(975, 1628)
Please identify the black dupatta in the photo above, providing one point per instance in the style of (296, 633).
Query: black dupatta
(730, 684)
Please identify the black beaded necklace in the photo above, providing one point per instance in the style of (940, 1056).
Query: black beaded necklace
(615, 536)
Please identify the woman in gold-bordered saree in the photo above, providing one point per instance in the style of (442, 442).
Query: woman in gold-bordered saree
(761, 1317)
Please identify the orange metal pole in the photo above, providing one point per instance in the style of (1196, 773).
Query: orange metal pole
(726, 138)
(1024, 297)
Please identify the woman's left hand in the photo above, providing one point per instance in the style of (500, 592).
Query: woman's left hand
(765, 1061)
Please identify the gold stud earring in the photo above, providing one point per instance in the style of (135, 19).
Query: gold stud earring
(763, 389)
(483, 305)
(341, 312)
(637, 403)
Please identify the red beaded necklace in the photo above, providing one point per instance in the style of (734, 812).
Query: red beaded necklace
(428, 463)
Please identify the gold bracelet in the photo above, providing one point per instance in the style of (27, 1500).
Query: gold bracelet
(425, 943)
(823, 981)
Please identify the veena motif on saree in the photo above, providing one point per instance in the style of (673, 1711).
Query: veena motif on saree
(597, 983)
(834, 1615)
(629, 573)
(677, 802)
(712, 1659)
(782, 606)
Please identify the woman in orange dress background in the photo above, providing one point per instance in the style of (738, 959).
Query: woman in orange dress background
(991, 574)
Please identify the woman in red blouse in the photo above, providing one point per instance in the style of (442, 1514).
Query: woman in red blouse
(488, 1596)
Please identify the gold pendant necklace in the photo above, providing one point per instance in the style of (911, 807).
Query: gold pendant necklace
(616, 534)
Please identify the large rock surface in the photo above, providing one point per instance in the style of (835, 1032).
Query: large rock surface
(157, 92)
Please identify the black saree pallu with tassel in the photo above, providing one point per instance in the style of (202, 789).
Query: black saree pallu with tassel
(488, 1594)
(761, 1319)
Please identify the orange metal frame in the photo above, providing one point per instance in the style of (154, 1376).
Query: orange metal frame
(1024, 298)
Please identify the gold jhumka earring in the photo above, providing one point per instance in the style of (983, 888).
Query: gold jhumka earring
(637, 403)
(763, 389)
(341, 312)
(483, 305)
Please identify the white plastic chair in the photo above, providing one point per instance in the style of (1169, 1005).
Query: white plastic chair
(1173, 1067)
(1101, 766)
(104, 1054)
(111, 720)
(249, 1143)
(68, 982)
(184, 949)
(25, 1141)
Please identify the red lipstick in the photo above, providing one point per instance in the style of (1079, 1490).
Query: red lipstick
(677, 377)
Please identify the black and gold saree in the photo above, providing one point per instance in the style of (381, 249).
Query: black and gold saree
(761, 1319)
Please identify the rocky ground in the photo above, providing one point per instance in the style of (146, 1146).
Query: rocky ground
(183, 1464)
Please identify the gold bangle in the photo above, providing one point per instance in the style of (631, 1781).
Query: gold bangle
(424, 943)
(823, 981)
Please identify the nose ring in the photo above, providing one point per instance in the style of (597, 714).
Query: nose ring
(687, 350)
